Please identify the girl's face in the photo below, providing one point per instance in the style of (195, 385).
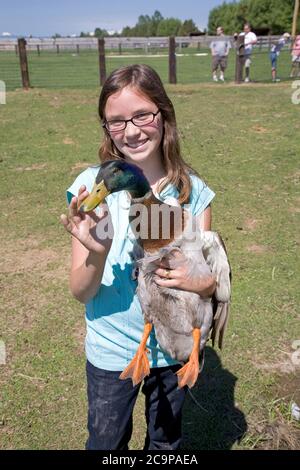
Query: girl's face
(137, 144)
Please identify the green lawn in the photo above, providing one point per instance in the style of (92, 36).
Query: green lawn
(70, 70)
(244, 141)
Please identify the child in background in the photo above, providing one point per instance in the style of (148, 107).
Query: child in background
(274, 53)
(296, 58)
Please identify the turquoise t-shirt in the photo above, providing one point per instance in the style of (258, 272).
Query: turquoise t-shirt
(114, 317)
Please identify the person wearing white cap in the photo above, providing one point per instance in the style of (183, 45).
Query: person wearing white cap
(274, 53)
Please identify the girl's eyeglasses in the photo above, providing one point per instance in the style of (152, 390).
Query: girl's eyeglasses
(139, 120)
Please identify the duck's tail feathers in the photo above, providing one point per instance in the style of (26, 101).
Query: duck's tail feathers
(220, 321)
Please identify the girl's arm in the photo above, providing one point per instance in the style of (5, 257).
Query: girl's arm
(86, 271)
(205, 219)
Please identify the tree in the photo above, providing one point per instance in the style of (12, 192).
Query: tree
(187, 27)
(100, 33)
(227, 16)
(169, 27)
(274, 16)
(126, 32)
(155, 20)
(143, 26)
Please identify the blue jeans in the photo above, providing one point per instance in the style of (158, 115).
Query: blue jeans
(111, 402)
(273, 59)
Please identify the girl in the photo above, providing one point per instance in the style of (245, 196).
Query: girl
(139, 126)
(296, 58)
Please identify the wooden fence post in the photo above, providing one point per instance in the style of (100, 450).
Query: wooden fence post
(102, 67)
(239, 62)
(172, 60)
(120, 48)
(269, 43)
(16, 49)
(38, 49)
(295, 17)
(77, 48)
(23, 63)
(57, 48)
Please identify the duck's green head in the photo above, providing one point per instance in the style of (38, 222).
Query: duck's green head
(114, 176)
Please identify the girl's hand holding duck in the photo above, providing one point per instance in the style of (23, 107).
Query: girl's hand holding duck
(84, 226)
(89, 251)
(185, 277)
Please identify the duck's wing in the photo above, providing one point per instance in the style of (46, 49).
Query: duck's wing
(215, 253)
(220, 319)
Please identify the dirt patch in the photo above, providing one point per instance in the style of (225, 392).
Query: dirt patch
(282, 431)
(268, 188)
(294, 210)
(259, 249)
(293, 177)
(251, 224)
(28, 273)
(55, 102)
(288, 363)
(277, 435)
(288, 386)
(68, 141)
(25, 255)
(260, 129)
(37, 166)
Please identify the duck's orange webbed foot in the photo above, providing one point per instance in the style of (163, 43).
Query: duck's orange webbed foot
(139, 367)
(188, 374)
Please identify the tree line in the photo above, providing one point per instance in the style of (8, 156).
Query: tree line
(265, 16)
(149, 26)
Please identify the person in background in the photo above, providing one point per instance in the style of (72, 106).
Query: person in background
(296, 58)
(250, 39)
(219, 50)
(274, 53)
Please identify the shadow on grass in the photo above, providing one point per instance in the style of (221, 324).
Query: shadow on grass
(218, 424)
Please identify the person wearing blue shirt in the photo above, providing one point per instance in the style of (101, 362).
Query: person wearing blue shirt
(274, 53)
(101, 271)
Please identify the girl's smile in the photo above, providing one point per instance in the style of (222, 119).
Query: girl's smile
(137, 145)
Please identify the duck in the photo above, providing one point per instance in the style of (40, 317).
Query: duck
(183, 321)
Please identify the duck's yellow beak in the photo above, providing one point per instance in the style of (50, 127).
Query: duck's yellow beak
(98, 194)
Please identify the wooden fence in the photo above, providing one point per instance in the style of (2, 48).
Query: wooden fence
(121, 43)
(173, 45)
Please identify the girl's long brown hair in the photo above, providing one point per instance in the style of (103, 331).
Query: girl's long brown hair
(145, 80)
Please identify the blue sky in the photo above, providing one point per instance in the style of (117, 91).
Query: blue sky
(66, 17)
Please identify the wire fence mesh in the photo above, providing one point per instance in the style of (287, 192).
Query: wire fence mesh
(78, 67)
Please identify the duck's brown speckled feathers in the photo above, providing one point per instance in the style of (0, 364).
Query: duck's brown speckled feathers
(162, 223)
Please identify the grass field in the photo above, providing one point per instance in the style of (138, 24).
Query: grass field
(244, 141)
(70, 70)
